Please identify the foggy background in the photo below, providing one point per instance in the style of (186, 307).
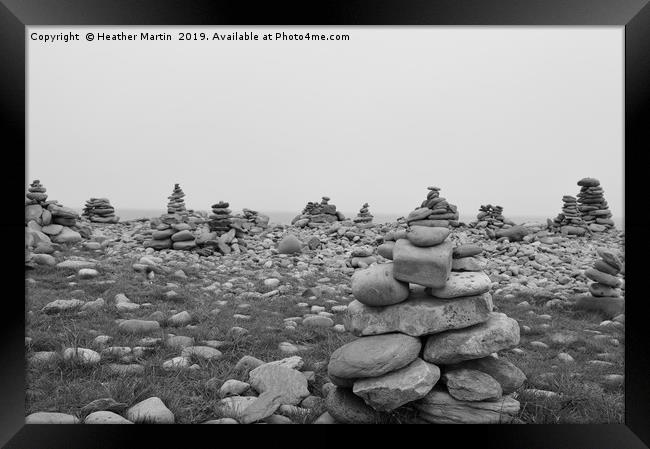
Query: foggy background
(513, 116)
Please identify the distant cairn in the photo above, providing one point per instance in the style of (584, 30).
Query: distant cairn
(221, 218)
(315, 214)
(593, 207)
(606, 295)
(364, 216)
(491, 217)
(172, 230)
(569, 221)
(429, 346)
(434, 211)
(99, 210)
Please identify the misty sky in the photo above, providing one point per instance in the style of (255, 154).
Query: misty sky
(504, 115)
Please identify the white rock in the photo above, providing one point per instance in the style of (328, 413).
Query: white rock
(152, 411)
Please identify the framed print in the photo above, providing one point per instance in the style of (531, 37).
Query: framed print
(383, 213)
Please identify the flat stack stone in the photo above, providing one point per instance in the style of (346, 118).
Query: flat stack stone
(257, 222)
(316, 214)
(593, 207)
(605, 292)
(176, 203)
(434, 211)
(364, 216)
(429, 345)
(48, 224)
(99, 210)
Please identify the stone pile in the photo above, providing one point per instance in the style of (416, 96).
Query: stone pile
(172, 230)
(605, 292)
(316, 214)
(47, 224)
(221, 218)
(253, 221)
(434, 211)
(491, 217)
(364, 216)
(176, 203)
(569, 220)
(430, 347)
(99, 210)
(593, 206)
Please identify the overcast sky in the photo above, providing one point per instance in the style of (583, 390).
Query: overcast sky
(504, 115)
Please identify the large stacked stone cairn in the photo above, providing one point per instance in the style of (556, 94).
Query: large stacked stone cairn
(606, 295)
(364, 216)
(432, 347)
(316, 214)
(173, 231)
(434, 211)
(176, 203)
(593, 206)
(99, 210)
(221, 218)
(47, 224)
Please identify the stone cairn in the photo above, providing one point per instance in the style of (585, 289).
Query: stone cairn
(221, 218)
(605, 291)
(176, 203)
(224, 233)
(431, 348)
(569, 220)
(434, 211)
(249, 221)
(593, 206)
(99, 210)
(364, 216)
(173, 231)
(47, 223)
(316, 214)
(491, 217)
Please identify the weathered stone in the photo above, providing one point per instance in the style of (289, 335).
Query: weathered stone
(150, 411)
(462, 284)
(67, 235)
(386, 250)
(318, 321)
(603, 278)
(347, 408)
(62, 305)
(514, 234)
(51, 418)
(608, 306)
(499, 332)
(419, 315)
(396, 388)
(601, 290)
(425, 236)
(376, 286)
(289, 245)
(439, 407)
(610, 258)
(508, 375)
(471, 385)
(105, 417)
(467, 264)
(290, 384)
(467, 250)
(373, 356)
(425, 266)
(138, 326)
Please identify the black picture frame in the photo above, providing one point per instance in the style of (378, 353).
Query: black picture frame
(634, 15)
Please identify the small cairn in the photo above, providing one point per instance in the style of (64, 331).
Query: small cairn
(176, 203)
(593, 206)
(491, 217)
(99, 210)
(606, 295)
(434, 211)
(173, 230)
(364, 216)
(431, 347)
(47, 223)
(250, 221)
(221, 218)
(569, 220)
(315, 214)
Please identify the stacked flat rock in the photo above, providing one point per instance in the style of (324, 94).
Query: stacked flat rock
(593, 206)
(430, 346)
(318, 213)
(221, 218)
(605, 292)
(173, 232)
(99, 210)
(176, 203)
(491, 217)
(364, 216)
(569, 220)
(434, 211)
(255, 218)
(47, 223)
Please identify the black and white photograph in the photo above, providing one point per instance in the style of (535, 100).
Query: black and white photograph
(328, 224)
(325, 225)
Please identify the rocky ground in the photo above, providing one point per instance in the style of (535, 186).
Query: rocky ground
(116, 332)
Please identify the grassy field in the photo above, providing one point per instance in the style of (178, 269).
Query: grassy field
(583, 395)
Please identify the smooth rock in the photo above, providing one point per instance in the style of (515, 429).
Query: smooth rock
(439, 407)
(462, 284)
(51, 418)
(290, 245)
(471, 385)
(425, 266)
(424, 236)
(138, 326)
(150, 411)
(507, 374)
(105, 417)
(347, 408)
(376, 286)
